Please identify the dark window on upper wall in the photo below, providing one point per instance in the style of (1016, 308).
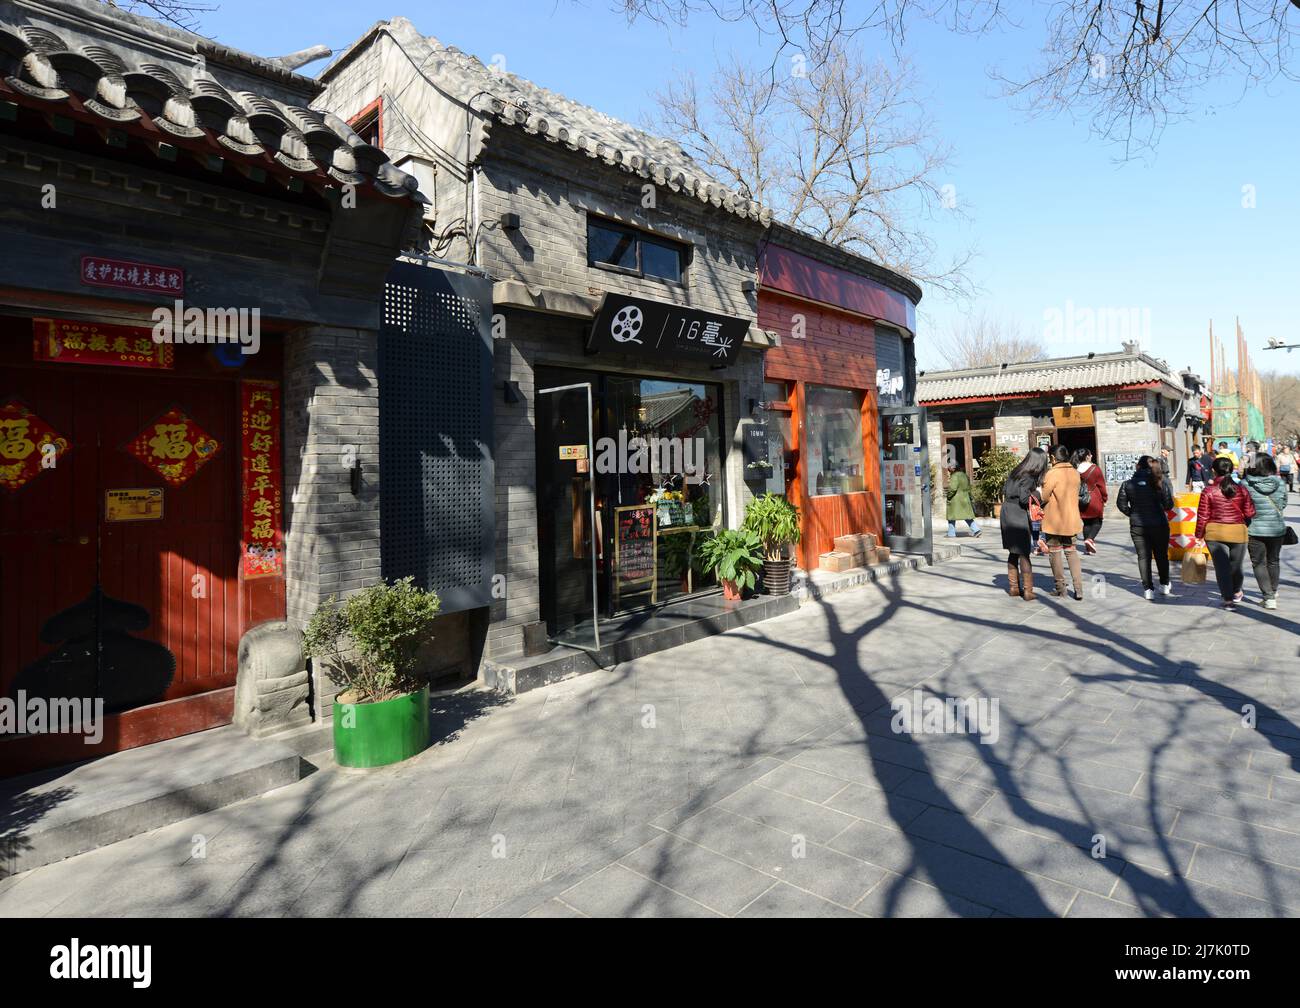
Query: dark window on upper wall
(367, 125)
(613, 246)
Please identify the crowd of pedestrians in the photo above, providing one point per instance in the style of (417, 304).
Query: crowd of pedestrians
(1050, 501)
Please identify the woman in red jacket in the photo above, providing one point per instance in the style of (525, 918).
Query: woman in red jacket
(1222, 517)
(1096, 480)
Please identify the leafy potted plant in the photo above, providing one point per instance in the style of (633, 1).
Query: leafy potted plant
(995, 466)
(776, 523)
(368, 644)
(736, 555)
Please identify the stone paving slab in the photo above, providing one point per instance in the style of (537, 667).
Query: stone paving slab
(769, 780)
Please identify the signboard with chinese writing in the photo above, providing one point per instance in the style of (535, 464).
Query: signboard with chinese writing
(635, 549)
(1130, 414)
(133, 504)
(1072, 416)
(123, 274)
(898, 477)
(260, 537)
(665, 332)
(65, 341)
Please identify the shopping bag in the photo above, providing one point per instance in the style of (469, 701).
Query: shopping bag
(1194, 568)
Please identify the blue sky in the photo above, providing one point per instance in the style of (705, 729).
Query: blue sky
(1057, 222)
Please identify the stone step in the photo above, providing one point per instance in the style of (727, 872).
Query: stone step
(628, 637)
(54, 814)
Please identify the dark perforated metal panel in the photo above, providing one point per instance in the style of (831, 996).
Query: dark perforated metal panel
(437, 514)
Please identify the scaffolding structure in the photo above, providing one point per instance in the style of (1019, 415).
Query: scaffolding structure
(1241, 408)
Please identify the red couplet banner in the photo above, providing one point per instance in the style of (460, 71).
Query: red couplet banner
(261, 538)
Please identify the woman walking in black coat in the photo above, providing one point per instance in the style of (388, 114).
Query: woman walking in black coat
(1147, 498)
(1016, 538)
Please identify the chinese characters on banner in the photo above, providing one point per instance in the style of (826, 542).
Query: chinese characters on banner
(67, 342)
(899, 477)
(173, 446)
(123, 274)
(28, 445)
(261, 541)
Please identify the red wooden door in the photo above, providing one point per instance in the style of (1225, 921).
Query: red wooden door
(181, 568)
(145, 613)
(48, 524)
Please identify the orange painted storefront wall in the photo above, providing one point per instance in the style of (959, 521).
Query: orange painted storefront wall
(836, 349)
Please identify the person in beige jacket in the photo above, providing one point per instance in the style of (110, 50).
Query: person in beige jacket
(1062, 521)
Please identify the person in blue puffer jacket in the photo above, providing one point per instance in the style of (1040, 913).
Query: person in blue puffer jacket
(1268, 491)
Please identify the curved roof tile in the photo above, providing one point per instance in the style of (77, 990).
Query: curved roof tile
(185, 101)
(1033, 378)
(519, 102)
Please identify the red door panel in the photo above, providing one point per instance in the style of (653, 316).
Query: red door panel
(48, 526)
(182, 568)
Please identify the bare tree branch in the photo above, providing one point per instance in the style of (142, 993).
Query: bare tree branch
(984, 340)
(1132, 65)
(844, 151)
(181, 15)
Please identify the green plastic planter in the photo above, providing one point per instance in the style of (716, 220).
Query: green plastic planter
(377, 734)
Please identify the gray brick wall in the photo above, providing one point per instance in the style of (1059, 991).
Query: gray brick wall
(332, 400)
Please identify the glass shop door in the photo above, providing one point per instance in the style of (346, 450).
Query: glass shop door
(905, 479)
(569, 536)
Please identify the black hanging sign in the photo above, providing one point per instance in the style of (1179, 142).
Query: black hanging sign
(666, 332)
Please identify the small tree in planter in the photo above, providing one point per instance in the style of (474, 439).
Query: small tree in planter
(737, 557)
(368, 644)
(995, 466)
(776, 523)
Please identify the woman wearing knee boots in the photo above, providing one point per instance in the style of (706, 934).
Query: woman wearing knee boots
(1061, 520)
(1017, 538)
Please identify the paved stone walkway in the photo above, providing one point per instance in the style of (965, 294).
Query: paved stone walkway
(756, 773)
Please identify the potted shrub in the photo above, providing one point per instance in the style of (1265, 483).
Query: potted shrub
(368, 644)
(995, 466)
(736, 556)
(776, 523)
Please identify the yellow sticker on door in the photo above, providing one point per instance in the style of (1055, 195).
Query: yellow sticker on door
(133, 504)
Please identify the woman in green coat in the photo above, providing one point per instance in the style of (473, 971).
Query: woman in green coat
(959, 503)
(1269, 492)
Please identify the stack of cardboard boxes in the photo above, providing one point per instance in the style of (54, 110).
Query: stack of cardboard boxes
(857, 550)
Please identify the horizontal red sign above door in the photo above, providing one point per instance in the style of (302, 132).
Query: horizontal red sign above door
(67, 341)
(123, 274)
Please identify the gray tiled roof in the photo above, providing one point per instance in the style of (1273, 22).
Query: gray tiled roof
(512, 99)
(133, 73)
(1035, 377)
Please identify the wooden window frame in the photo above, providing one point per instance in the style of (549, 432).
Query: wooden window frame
(372, 113)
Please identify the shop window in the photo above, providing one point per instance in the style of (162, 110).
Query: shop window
(834, 436)
(627, 250)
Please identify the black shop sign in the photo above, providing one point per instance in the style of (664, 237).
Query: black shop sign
(657, 331)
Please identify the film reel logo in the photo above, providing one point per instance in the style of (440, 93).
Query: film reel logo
(627, 324)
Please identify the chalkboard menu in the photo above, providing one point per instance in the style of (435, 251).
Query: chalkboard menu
(634, 547)
(1119, 466)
